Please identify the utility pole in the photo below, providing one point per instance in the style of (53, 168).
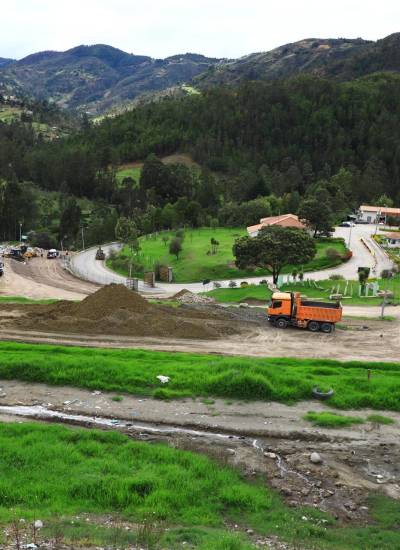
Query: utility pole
(378, 217)
(383, 306)
(83, 239)
(20, 232)
(348, 244)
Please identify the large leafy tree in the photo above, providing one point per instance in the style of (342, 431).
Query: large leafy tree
(274, 248)
(317, 213)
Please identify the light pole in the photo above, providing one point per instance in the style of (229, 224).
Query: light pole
(20, 232)
(83, 239)
(348, 244)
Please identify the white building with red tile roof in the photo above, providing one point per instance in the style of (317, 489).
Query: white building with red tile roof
(371, 214)
(285, 220)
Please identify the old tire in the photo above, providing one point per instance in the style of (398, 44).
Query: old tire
(313, 326)
(321, 395)
(326, 327)
(281, 322)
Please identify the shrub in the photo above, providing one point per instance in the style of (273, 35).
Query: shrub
(346, 257)
(263, 282)
(332, 254)
(244, 284)
(386, 274)
(180, 234)
(216, 284)
(336, 277)
(232, 284)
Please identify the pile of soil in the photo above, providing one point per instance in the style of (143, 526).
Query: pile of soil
(109, 299)
(114, 309)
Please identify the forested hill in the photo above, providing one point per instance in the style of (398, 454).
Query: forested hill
(264, 137)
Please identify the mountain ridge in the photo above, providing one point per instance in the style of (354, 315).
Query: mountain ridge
(99, 78)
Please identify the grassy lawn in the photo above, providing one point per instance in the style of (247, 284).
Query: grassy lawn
(311, 289)
(55, 473)
(129, 171)
(196, 264)
(134, 371)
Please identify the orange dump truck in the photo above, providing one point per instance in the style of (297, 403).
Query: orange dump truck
(289, 308)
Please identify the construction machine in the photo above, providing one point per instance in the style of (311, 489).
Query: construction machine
(290, 308)
(100, 254)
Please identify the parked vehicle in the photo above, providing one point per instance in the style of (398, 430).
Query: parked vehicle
(347, 224)
(52, 254)
(289, 308)
(1, 268)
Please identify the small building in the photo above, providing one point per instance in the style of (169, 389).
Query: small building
(285, 220)
(392, 239)
(374, 214)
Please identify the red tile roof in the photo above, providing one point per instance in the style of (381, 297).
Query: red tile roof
(285, 220)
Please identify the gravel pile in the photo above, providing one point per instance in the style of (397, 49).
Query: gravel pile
(186, 297)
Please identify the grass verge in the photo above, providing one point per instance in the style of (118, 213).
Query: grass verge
(320, 290)
(287, 380)
(331, 420)
(23, 300)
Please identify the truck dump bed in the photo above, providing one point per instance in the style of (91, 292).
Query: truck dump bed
(330, 312)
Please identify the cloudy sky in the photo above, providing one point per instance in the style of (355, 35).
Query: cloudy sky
(218, 28)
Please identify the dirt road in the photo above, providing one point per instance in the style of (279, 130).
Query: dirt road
(258, 437)
(358, 340)
(40, 278)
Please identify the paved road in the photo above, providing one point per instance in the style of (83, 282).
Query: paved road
(371, 256)
(85, 266)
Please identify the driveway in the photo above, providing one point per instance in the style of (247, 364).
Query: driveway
(369, 255)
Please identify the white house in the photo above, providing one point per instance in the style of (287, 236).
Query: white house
(392, 239)
(285, 220)
(372, 214)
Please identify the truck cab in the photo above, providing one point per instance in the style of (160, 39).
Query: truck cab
(290, 308)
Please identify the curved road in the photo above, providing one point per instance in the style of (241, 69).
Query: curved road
(85, 266)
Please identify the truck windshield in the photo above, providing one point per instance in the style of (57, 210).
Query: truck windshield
(277, 303)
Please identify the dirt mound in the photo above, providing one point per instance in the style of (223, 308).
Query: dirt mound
(108, 300)
(116, 310)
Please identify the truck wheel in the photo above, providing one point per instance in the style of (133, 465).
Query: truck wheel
(313, 326)
(281, 322)
(326, 327)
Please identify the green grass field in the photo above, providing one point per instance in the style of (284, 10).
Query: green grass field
(127, 171)
(56, 473)
(318, 289)
(196, 264)
(134, 371)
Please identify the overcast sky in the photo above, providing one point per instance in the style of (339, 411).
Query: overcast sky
(217, 28)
